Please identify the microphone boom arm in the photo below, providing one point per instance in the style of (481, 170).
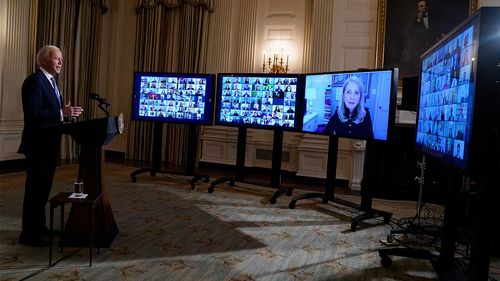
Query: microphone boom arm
(103, 103)
(105, 109)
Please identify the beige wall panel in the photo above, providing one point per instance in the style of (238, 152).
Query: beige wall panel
(117, 63)
(13, 58)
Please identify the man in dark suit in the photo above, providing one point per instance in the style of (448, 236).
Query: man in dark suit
(43, 108)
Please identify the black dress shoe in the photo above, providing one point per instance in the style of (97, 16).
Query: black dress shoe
(33, 241)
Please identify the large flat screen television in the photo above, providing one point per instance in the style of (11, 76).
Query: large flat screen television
(262, 101)
(357, 104)
(173, 97)
(458, 98)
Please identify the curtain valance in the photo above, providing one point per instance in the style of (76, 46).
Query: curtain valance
(172, 4)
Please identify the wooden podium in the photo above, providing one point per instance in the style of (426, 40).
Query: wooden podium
(91, 135)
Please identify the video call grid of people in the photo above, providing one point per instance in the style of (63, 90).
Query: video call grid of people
(264, 101)
(172, 97)
(446, 96)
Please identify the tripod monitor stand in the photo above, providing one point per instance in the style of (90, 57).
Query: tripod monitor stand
(260, 101)
(240, 164)
(240, 161)
(157, 152)
(276, 168)
(329, 193)
(167, 97)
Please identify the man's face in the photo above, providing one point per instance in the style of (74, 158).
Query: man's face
(421, 7)
(54, 62)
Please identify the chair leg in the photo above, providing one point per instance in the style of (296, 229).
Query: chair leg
(91, 235)
(50, 234)
(62, 227)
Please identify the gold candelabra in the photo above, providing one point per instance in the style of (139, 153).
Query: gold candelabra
(275, 65)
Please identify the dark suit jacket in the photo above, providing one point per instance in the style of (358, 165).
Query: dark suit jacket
(41, 110)
(349, 129)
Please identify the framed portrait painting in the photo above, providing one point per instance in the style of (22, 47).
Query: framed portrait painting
(407, 28)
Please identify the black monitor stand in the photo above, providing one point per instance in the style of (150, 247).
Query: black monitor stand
(329, 193)
(157, 153)
(367, 183)
(240, 164)
(331, 169)
(240, 161)
(276, 168)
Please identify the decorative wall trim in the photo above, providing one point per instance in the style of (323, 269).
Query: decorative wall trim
(219, 47)
(322, 24)
(245, 61)
(281, 8)
(280, 32)
(9, 143)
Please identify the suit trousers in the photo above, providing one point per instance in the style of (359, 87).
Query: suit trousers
(40, 170)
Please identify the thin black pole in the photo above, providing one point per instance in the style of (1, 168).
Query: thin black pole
(157, 142)
(240, 153)
(191, 148)
(277, 155)
(367, 181)
(331, 170)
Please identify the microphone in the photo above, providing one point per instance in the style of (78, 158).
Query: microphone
(95, 96)
(103, 103)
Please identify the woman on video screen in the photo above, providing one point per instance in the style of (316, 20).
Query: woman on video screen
(351, 119)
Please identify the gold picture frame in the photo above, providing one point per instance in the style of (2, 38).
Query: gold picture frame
(382, 28)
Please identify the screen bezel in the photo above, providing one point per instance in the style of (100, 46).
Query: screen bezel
(392, 100)
(298, 101)
(208, 109)
(461, 164)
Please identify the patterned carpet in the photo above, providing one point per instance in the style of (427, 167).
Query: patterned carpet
(169, 232)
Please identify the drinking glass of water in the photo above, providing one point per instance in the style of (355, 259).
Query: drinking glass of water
(78, 184)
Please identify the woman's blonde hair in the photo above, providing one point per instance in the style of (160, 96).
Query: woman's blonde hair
(359, 113)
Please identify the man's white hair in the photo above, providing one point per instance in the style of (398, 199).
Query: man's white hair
(44, 53)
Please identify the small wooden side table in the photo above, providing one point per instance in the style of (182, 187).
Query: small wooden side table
(59, 201)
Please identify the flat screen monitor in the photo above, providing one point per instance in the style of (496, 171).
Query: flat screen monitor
(262, 101)
(351, 104)
(458, 94)
(173, 97)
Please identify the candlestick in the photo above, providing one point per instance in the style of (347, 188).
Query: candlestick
(276, 63)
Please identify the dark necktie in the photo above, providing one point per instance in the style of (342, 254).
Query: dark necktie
(56, 89)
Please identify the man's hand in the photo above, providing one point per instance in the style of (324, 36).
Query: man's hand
(72, 111)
